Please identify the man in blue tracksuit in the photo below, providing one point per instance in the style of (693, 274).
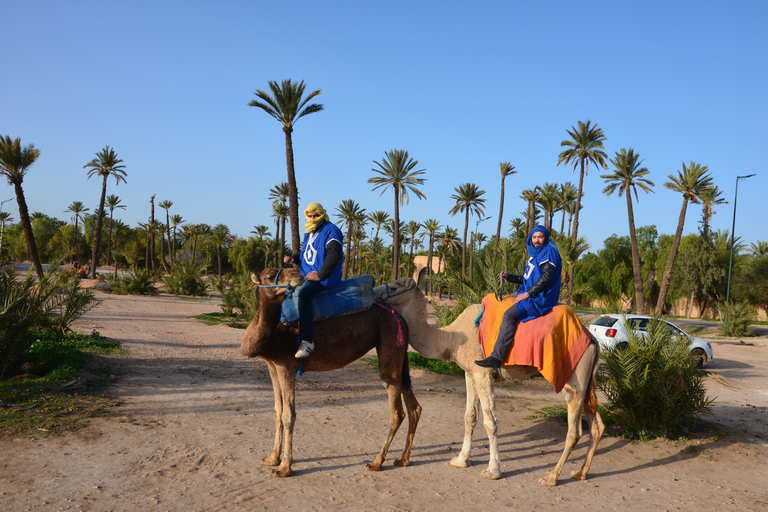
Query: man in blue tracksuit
(320, 263)
(538, 294)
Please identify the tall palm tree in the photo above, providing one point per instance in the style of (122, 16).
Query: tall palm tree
(358, 236)
(412, 229)
(105, 164)
(584, 147)
(220, 236)
(693, 181)
(261, 231)
(166, 205)
(549, 199)
(15, 161)
(396, 171)
(627, 177)
(709, 198)
(430, 227)
(468, 200)
(4, 217)
(113, 203)
(119, 226)
(447, 243)
(568, 195)
(287, 105)
(176, 220)
(507, 169)
(152, 232)
(281, 211)
(352, 216)
(280, 195)
(77, 208)
(378, 219)
(530, 196)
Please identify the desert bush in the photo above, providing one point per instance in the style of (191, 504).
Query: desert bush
(72, 303)
(185, 280)
(653, 387)
(239, 298)
(136, 282)
(737, 319)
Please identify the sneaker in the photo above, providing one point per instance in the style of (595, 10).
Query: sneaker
(305, 349)
(489, 362)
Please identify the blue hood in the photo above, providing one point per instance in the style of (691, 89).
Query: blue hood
(533, 251)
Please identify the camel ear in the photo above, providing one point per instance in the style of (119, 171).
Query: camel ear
(255, 278)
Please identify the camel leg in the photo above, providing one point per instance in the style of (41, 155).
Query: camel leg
(396, 417)
(470, 420)
(287, 380)
(484, 388)
(575, 403)
(596, 429)
(274, 458)
(414, 413)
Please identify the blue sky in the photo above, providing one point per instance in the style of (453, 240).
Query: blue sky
(461, 86)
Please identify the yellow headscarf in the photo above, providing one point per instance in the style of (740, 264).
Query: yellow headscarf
(312, 224)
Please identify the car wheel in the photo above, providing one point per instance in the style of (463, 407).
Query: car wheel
(624, 345)
(701, 355)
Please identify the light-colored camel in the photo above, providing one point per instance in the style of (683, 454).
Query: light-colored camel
(339, 341)
(458, 342)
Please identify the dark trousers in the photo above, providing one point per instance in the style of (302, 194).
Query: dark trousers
(506, 334)
(307, 292)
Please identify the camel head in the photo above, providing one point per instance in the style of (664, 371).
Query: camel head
(402, 294)
(274, 282)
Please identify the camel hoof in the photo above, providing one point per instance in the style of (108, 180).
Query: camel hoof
(401, 462)
(282, 473)
(373, 467)
(271, 461)
(490, 475)
(458, 462)
(548, 481)
(578, 475)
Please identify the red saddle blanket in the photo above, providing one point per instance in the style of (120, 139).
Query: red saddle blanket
(553, 343)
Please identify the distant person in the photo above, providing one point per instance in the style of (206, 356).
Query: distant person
(538, 294)
(320, 263)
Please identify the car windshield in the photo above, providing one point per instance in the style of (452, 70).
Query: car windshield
(605, 321)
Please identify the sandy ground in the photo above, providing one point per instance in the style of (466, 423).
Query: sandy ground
(196, 419)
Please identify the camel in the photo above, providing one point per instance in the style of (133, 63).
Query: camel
(458, 343)
(341, 340)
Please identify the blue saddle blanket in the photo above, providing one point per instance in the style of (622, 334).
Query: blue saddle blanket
(350, 296)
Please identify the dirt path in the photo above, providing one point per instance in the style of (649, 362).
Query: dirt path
(196, 420)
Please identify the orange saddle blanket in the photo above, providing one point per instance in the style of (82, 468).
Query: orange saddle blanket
(553, 343)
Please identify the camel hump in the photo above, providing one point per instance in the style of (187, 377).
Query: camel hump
(350, 296)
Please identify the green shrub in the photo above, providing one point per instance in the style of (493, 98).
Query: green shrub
(185, 280)
(737, 319)
(136, 282)
(653, 387)
(239, 298)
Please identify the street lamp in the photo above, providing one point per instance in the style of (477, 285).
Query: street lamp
(2, 227)
(733, 235)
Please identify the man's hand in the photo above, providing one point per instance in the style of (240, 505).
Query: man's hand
(503, 275)
(287, 259)
(313, 276)
(521, 296)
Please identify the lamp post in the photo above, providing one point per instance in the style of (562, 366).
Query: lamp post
(733, 236)
(2, 228)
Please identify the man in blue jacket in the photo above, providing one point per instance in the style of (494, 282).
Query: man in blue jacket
(538, 294)
(320, 263)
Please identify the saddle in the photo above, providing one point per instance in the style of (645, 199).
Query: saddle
(553, 342)
(350, 296)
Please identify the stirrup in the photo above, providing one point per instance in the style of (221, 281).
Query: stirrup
(305, 349)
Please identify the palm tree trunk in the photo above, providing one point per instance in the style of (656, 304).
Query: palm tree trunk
(464, 245)
(429, 261)
(501, 214)
(293, 192)
(26, 225)
(672, 256)
(345, 266)
(168, 230)
(109, 242)
(218, 253)
(97, 230)
(74, 244)
(638, 277)
(396, 241)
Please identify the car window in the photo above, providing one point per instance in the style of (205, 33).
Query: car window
(639, 324)
(674, 331)
(605, 321)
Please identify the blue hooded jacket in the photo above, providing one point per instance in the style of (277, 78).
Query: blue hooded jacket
(534, 307)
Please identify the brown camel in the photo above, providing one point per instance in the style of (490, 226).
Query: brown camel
(458, 342)
(341, 340)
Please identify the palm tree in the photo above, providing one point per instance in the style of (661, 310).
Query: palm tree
(568, 195)
(507, 169)
(280, 195)
(166, 205)
(152, 232)
(549, 199)
(280, 211)
(77, 208)
(287, 105)
(709, 198)
(692, 182)
(412, 230)
(220, 236)
(584, 147)
(4, 217)
(530, 196)
(468, 199)
(759, 249)
(113, 202)
(176, 220)
(353, 216)
(447, 243)
(119, 226)
(15, 161)
(378, 219)
(396, 171)
(261, 231)
(627, 177)
(105, 164)
(430, 226)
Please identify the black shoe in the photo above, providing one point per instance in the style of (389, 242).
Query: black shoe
(489, 362)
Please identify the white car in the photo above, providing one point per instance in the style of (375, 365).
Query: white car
(611, 332)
